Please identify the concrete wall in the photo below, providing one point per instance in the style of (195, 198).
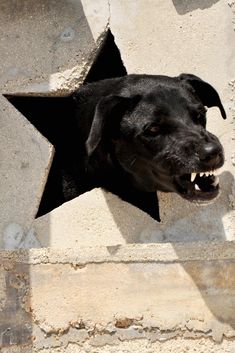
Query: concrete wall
(118, 298)
(174, 296)
(46, 48)
(170, 37)
(166, 37)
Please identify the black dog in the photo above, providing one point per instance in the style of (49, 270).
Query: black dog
(140, 133)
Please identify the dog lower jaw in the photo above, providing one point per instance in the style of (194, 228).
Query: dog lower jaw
(202, 188)
(200, 197)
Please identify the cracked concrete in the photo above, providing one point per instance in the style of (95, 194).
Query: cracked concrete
(123, 294)
(181, 220)
(111, 297)
(41, 63)
(117, 293)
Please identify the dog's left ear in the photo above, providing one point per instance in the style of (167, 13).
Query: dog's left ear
(205, 92)
(108, 114)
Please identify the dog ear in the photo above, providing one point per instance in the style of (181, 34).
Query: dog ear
(109, 110)
(205, 92)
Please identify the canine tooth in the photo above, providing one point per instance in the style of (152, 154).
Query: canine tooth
(193, 176)
(197, 187)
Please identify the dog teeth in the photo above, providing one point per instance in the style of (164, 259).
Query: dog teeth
(193, 176)
(207, 174)
(202, 175)
(197, 187)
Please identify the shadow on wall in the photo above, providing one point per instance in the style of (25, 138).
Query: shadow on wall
(216, 277)
(203, 223)
(219, 305)
(216, 280)
(184, 6)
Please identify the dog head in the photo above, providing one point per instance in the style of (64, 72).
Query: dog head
(156, 129)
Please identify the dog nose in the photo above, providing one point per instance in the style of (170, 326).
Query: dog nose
(211, 152)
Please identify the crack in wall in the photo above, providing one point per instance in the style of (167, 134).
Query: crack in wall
(98, 335)
(167, 254)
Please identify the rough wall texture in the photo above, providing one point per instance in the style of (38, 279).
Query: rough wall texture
(25, 160)
(180, 36)
(114, 296)
(48, 47)
(170, 37)
(143, 298)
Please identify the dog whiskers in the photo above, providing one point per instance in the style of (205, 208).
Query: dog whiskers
(175, 161)
(133, 162)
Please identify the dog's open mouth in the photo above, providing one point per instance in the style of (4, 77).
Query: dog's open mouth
(198, 186)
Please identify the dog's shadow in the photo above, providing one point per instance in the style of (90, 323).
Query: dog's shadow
(216, 220)
(182, 221)
(185, 6)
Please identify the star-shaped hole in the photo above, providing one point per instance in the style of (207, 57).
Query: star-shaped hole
(53, 117)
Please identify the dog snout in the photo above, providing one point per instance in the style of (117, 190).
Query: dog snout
(211, 154)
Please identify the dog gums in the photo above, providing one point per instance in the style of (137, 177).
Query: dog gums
(52, 117)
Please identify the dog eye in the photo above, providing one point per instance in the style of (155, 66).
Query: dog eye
(153, 130)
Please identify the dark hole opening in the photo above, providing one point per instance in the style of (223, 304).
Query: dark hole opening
(108, 62)
(53, 117)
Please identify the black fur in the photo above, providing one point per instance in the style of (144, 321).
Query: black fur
(140, 133)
